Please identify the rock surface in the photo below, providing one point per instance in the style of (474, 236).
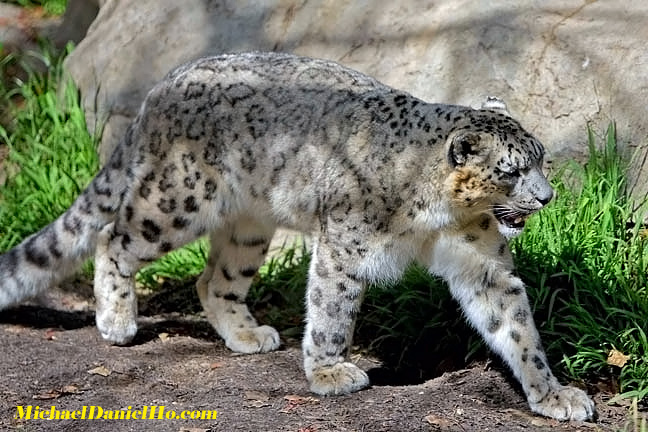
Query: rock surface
(559, 64)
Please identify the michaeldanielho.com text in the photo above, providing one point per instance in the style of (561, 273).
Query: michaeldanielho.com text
(94, 412)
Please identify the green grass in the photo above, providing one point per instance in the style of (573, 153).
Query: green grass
(587, 271)
(277, 293)
(51, 155)
(184, 263)
(51, 7)
(637, 423)
(585, 266)
(416, 328)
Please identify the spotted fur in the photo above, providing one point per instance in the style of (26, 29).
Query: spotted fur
(234, 146)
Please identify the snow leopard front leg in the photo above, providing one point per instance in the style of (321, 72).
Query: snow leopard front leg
(333, 298)
(478, 268)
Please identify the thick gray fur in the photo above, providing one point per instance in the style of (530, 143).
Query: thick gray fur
(234, 146)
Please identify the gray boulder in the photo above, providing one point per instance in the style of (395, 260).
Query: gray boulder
(559, 64)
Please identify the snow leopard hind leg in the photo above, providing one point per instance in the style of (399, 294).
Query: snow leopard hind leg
(237, 252)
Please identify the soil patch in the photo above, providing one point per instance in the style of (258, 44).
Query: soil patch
(55, 357)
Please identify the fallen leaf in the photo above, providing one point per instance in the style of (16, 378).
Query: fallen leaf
(71, 389)
(437, 421)
(617, 358)
(295, 400)
(100, 370)
(52, 394)
(57, 393)
(163, 336)
(216, 365)
(256, 399)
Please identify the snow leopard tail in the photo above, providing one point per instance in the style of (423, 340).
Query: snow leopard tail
(56, 251)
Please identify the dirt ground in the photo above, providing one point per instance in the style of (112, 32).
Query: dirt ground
(55, 357)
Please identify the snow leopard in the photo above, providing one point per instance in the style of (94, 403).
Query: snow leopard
(233, 146)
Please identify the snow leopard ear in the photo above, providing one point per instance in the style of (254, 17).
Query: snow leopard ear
(494, 103)
(464, 146)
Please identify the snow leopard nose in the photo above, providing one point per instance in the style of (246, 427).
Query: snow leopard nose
(544, 200)
(542, 190)
(544, 193)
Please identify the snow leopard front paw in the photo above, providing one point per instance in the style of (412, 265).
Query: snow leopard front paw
(340, 378)
(116, 329)
(253, 340)
(565, 403)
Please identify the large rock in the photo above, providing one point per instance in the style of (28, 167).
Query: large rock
(558, 63)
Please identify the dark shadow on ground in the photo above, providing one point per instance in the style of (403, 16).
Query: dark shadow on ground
(197, 329)
(41, 317)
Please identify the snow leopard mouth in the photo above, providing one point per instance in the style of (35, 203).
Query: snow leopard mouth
(511, 218)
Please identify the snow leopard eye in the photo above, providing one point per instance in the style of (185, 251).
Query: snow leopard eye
(512, 173)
